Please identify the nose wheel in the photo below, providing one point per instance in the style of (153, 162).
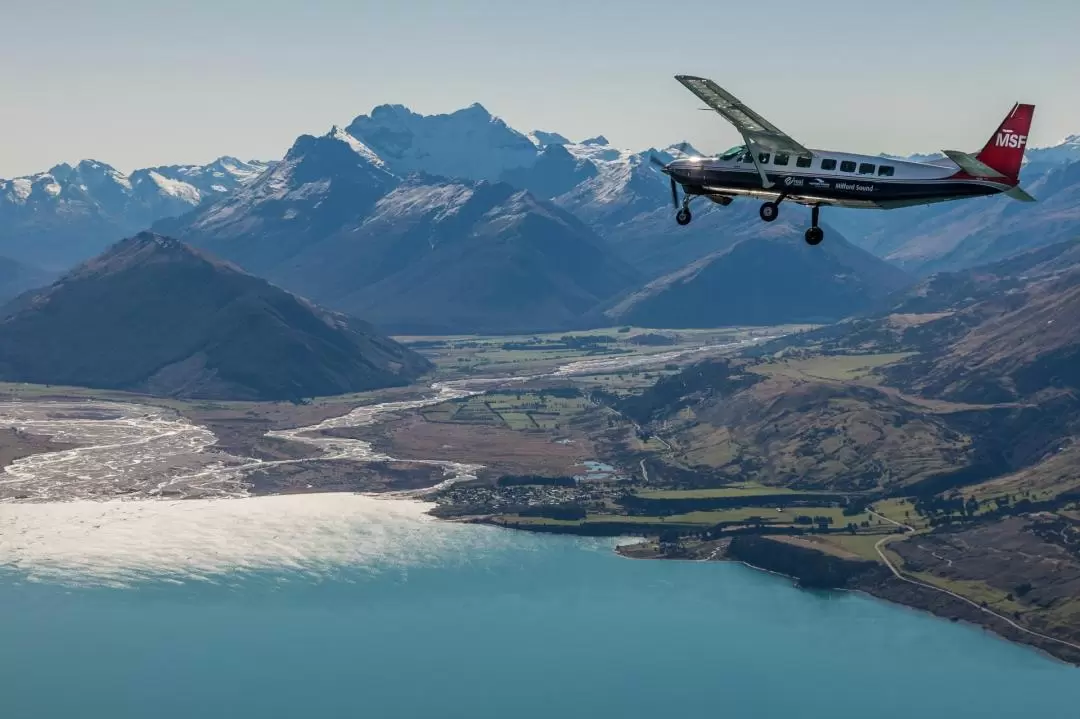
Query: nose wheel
(815, 234)
(683, 216)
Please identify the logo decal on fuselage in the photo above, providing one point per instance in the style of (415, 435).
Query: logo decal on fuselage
(793, 181)
(818, 183)
(1009, 138)
(851, 186)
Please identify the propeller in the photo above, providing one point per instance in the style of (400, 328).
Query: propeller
(674, 185)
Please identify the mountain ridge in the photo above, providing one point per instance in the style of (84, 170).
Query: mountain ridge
(154, 315)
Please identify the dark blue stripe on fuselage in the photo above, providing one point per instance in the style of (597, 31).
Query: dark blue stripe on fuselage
(829, 187)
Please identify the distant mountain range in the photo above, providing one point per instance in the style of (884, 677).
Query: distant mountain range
(60, 217)
(458, 222)
(415, 254)
(153, 315)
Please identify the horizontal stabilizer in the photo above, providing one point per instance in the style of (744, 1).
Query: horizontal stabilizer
(972, 165)
(1017, 193)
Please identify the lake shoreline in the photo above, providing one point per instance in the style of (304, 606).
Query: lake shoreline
(880, 584)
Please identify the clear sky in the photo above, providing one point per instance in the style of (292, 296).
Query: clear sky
(144, 82)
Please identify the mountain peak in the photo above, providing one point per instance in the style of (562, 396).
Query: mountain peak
(546, 139)
(152, 315)
(468, 143)
(599, 140)
(336, 133)
(141, 249)
(475, 109)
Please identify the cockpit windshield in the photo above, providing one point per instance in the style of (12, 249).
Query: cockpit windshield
(733, 152)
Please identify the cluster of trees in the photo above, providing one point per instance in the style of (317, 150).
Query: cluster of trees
(943, 507)
(677, 391)
(819, 522)
(566, 342)
(564, 512)
(535, 480)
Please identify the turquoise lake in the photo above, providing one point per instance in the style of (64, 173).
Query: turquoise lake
(441, 620)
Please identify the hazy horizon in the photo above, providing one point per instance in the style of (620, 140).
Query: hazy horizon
(137, 86)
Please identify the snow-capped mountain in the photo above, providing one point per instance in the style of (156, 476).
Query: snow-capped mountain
(1066, 151)
(321, 184)
(419, 253)
(469, 143)
(218, 178)
(58, 218)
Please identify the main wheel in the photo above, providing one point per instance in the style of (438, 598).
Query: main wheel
(683, 216)
(814, 236)
(769, 211)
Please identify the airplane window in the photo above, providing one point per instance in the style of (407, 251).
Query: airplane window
(886, 171)
(847, 166)
(748, 157)
(732, 153)
(866, 168)
(803, 161)
(781, 158)
(828, 164)
(763, 158)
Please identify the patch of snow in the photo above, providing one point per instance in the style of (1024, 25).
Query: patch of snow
(120, 179)
(20, 189)
(176, 188)
(358, 147)
(543, 139)
(409, 200)
(219, 188)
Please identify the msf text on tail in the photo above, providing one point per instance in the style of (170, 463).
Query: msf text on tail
(773, 167)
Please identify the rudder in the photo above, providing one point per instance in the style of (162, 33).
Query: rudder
(1004, 151)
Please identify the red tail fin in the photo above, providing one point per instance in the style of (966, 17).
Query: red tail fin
(1005, 150)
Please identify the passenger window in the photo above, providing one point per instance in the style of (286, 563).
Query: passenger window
(763, 158)
(867, 168)
(803, 161)
(828, 164)
(885, 171)
(748, 157)
(781, 158)
(847, 166)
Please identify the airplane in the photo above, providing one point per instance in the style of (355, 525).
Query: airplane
(774, 167)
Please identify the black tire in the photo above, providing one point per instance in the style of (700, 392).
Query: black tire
(683, 216)
(814, 236)
(769, 211)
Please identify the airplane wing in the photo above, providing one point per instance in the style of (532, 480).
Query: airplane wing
(754, 128)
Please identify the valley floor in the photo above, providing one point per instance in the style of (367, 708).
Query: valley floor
(543, 446)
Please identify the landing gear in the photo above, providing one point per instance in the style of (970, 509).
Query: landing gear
(769, 211)
(683, 216)
(815, 234)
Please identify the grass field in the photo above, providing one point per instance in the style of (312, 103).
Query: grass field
(840, 368)
(705, 519)
(902, 511)
(465, 355)
(862, 545)
(524, 410)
